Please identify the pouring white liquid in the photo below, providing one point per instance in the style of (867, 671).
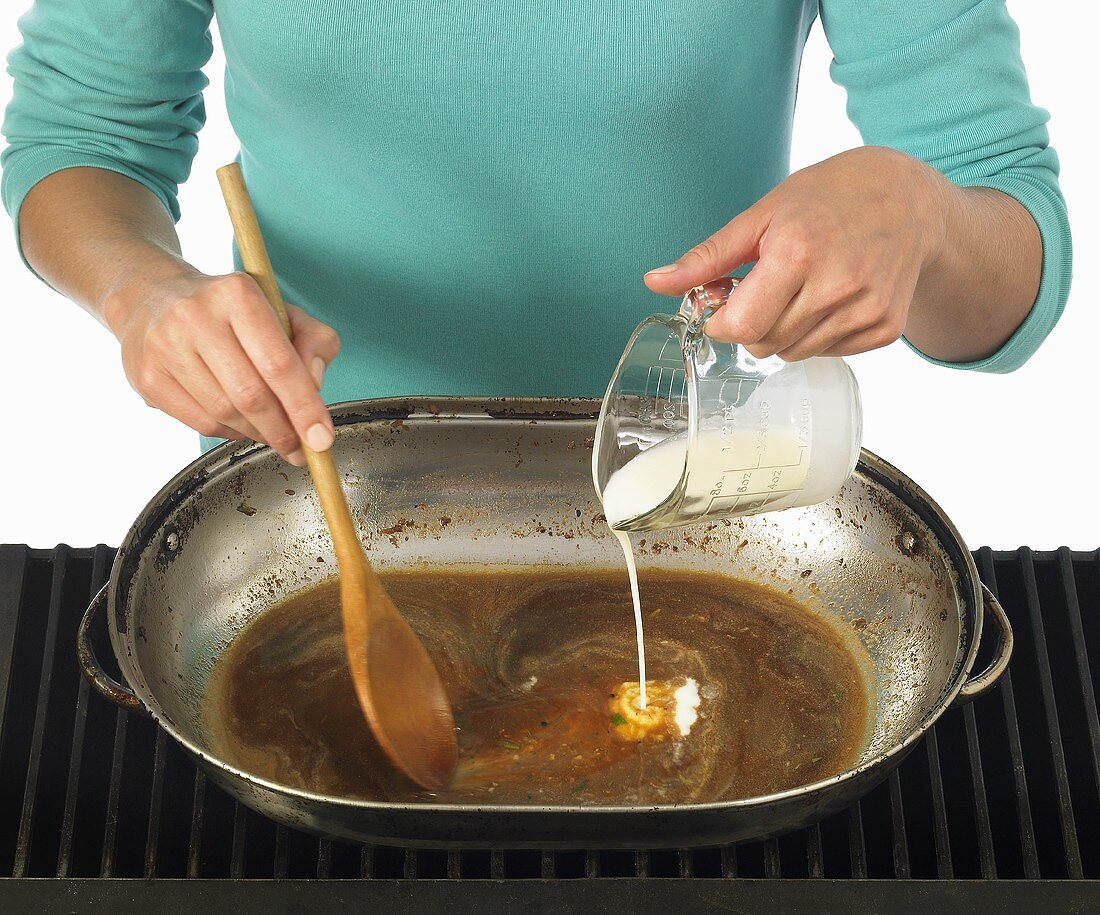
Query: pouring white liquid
(753, 423)
(635, 489)
(740, 468)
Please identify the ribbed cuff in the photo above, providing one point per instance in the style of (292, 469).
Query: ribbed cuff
(24, 168)
(1049, 212)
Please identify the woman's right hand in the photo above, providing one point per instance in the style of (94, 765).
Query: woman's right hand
(210, 351)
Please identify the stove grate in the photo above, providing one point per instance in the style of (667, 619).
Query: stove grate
(1006, 788)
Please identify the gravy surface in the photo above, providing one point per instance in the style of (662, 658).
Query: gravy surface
(535, 661)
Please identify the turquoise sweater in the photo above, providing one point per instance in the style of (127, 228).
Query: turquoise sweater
(469, 192)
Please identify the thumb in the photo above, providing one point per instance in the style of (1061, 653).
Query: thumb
(736, 243)
(317, 344)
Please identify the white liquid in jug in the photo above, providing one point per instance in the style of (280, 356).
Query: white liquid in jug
(735, 471)
(645, 482)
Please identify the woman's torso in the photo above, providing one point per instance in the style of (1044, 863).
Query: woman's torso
(470, 192)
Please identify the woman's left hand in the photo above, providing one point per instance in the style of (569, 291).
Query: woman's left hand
(839, 248)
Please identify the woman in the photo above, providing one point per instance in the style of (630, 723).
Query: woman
(466, 194)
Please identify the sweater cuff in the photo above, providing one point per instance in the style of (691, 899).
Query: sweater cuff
(1049, 212)
(24, 168)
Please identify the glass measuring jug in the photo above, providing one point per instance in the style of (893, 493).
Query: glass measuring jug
(692, 428)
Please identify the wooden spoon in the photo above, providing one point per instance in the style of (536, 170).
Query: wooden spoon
(398, 687)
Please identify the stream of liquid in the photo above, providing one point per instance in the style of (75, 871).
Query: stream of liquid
(639, 626)
(633, 490)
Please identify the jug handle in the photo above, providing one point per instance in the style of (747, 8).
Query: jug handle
(103, 683)
(981, 683)
(703, 301)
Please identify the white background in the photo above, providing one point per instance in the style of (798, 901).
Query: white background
(1010, 458)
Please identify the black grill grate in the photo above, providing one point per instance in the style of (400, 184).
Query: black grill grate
(1006, 788)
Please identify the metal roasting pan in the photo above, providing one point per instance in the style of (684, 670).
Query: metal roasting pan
(507, 481)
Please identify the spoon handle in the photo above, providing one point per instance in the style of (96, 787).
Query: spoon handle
(257, 264)
(250, 241)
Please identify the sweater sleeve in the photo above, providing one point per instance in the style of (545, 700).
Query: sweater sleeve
(943, 80)
(113, 84)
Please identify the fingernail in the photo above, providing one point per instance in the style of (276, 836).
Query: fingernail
(668, 268)
(318, 370)
(319, 437)
(297, 458)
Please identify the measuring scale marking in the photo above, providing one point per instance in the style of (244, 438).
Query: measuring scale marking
(673, 405)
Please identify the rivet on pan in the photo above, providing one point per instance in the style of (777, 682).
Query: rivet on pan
(908, 543)
(172, 542)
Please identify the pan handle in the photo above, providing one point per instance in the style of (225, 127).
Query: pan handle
(981, 683)
(104, 684)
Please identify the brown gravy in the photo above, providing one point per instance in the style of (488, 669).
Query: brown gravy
(533, 659)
